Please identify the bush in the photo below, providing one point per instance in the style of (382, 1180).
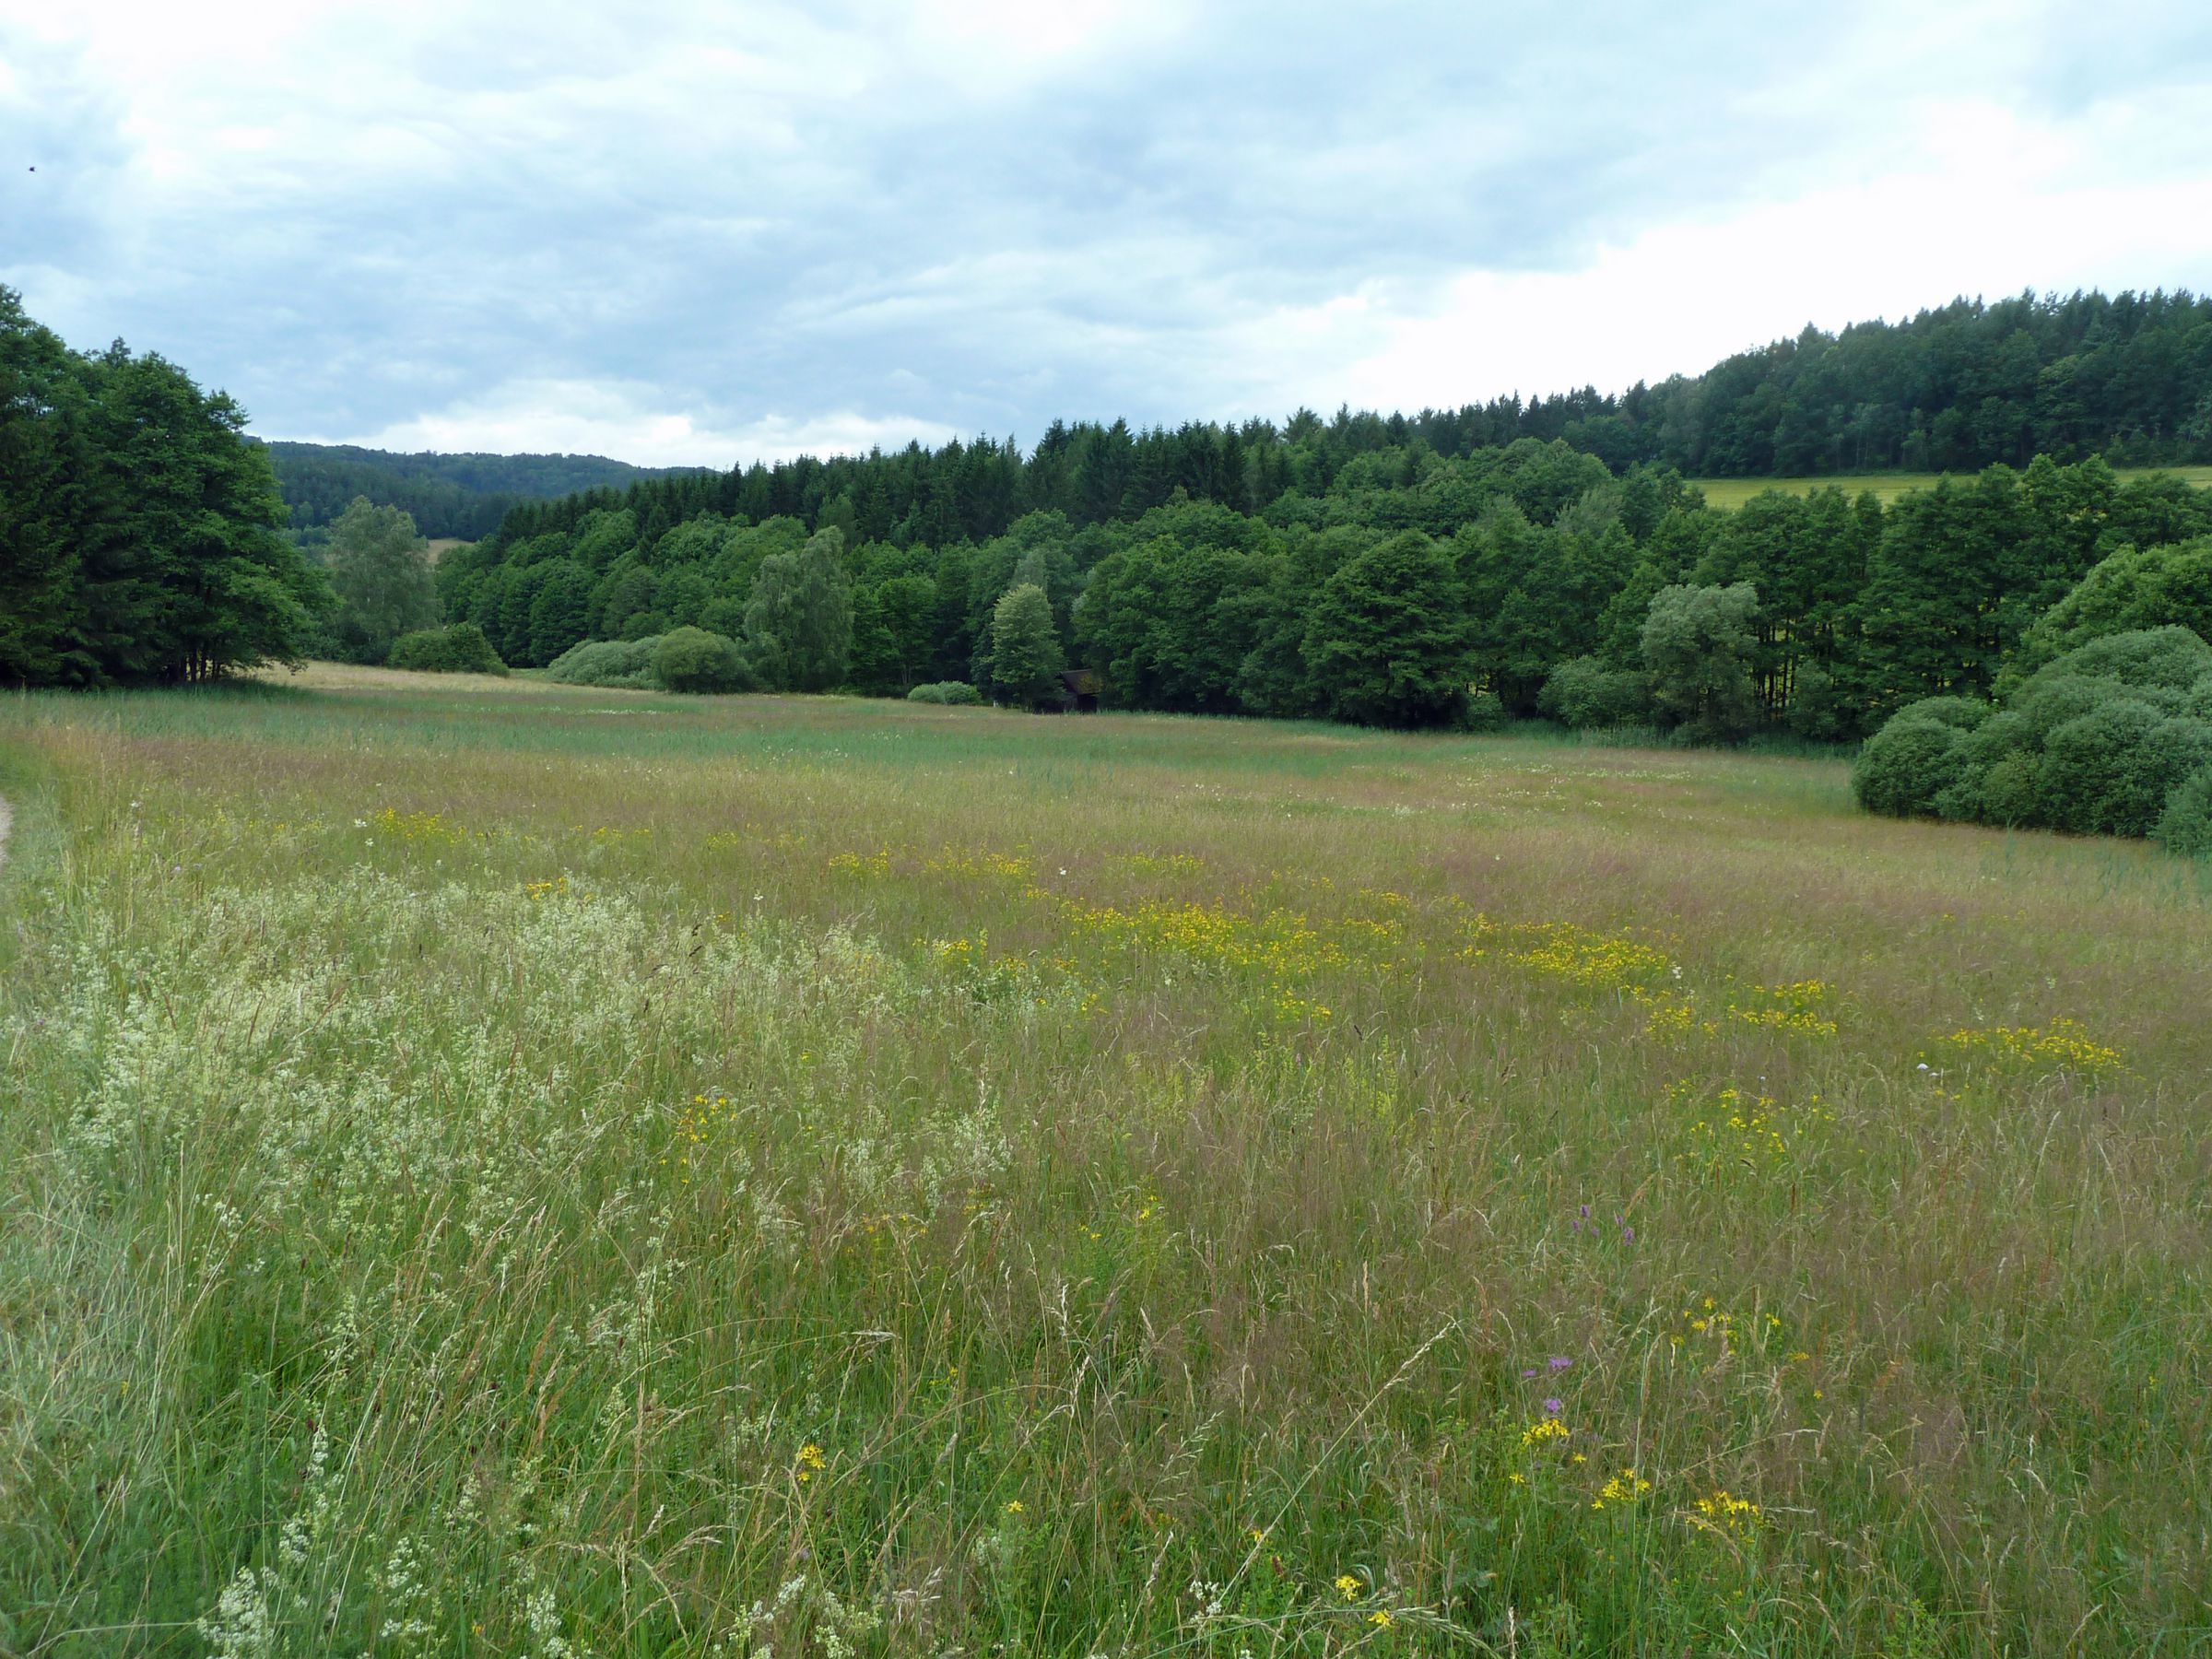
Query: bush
(2184, 829)
(458, 649)
(946, 691)
(691, 659)
(1906, 765)
(2093, 777)
(1960, 713)
(1483, 712)
(2165, 659)
(2099, 741)
(1583, 693)
(623, 664)
(1820, 711)
(2134, 589)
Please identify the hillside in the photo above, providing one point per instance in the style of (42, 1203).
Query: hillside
(450, 496)
(1955, 388)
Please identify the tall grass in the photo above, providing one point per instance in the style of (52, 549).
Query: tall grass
(578, 1172)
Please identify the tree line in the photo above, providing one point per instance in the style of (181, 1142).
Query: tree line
(1955, 388)
(1412, 590)
(1399, 572)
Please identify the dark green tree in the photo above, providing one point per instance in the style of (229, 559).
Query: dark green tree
(48, 480)
(1386, 643)
(560, 612)
(798, 623)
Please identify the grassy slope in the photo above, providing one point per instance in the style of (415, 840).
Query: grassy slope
(530, 1166)
(1734, 492)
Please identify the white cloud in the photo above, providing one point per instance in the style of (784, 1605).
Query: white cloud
(693, 230)
(627, 421)
(2001, 206)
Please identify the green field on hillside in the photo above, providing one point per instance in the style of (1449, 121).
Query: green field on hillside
(499, 1169)
(1734, 492)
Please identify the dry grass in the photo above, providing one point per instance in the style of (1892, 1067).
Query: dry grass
(860, 1177)
(353, 677)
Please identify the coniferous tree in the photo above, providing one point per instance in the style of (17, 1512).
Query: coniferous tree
(140, 523)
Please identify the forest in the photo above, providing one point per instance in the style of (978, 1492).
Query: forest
(448, 496)
(1526, 575)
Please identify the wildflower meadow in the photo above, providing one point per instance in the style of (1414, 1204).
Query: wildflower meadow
(495, 1169)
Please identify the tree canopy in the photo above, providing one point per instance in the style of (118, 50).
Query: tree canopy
(1026, 659)
(140, 525)
(379, 571)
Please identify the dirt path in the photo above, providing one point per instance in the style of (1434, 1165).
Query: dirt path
(5, 820)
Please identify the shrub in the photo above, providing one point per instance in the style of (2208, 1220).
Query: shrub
(1906, 765)
(691, 659)
(1483, 712)
(2093, 772)
(459, 648)
(2098, 742)
(2184, 829)
(1583, 693)
(2134, 589)
(946, 691)
(624, 664)
(2010, 791)
(1960, 713)
(1820, 711)
(2165, 659)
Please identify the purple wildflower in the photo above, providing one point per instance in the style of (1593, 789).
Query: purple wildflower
(1554, 1408)
(1559, 1362)
(1528, 1373)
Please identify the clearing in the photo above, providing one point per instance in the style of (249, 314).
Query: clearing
(1729, 493)
(496, 1168)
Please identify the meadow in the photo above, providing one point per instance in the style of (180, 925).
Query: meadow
(1731, 493)
(497, 1169)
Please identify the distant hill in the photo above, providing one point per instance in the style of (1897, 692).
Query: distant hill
(456, 497)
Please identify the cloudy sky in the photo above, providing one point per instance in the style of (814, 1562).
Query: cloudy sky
(708, 233)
